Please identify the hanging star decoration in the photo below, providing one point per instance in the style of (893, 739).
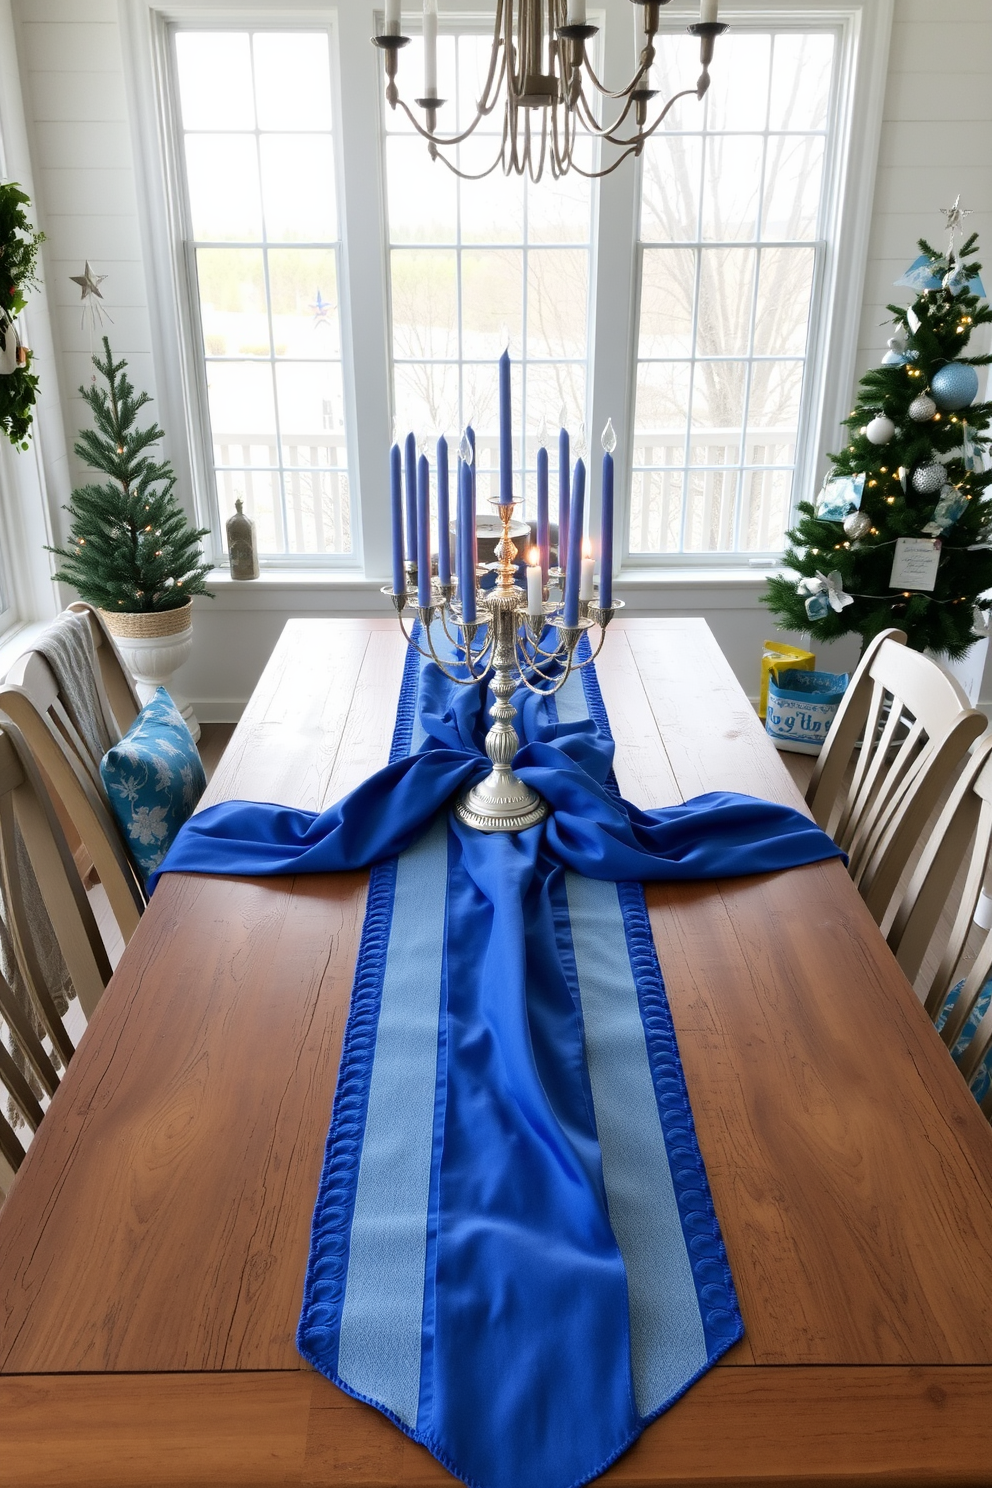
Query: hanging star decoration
(322, 309)
(90, 293)
(955, 218)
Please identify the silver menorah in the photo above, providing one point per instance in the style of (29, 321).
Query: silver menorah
(513, 650)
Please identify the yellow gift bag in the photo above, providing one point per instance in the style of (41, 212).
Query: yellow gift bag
(776, 655)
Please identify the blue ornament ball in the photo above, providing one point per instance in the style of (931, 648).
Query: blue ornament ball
(954, 386)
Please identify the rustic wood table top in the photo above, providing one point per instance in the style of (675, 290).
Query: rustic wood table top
(152, 1250)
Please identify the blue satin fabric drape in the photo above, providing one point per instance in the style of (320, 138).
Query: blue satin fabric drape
(590, 829)
(522, 1375)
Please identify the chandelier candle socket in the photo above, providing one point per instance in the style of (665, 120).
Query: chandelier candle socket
(522, 638)
(539, 66)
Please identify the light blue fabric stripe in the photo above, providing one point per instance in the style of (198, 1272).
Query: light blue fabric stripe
(571, 700)
(379, 1353)
(668, 1345)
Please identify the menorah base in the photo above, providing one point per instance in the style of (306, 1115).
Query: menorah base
(501, 803)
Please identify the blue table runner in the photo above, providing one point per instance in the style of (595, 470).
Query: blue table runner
(514, 1251)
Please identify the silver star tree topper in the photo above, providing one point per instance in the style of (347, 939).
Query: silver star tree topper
(90, 293)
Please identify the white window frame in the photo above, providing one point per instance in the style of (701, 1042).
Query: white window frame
(364, 283)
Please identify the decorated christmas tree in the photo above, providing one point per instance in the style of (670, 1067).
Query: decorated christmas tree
(900, 533)
(131, 546)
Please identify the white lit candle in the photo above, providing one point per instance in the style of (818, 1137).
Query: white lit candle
(392, 17)
(588, 566)
(535, 587)
(707, 10)
(576, 12)
(430, 48)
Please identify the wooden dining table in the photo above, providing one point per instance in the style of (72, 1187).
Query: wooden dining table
(152, 1249)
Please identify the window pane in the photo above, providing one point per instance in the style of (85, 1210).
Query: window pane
(425, 303)
(738, 96)
(492, 301)
(492, 210)
(303, 283)
(270, 316)
(224, 200)
(298, 187)
(726, 288)
(670, 189)
(292, 80)
(793, 175)
(559, 211)
(785, 283)
(557, 302)
(423, 201)
(426, 398)
(733, 315)
(668, 290)
(801, 75)
(232, 301)
(215, 89)
(731, 186)
(242, 413)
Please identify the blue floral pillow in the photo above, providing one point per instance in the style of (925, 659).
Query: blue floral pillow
(153, 779)
(981, 1080)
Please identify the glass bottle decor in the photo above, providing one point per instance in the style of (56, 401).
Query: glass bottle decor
(241, 545)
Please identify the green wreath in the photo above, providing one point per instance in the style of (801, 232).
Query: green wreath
(19, 244)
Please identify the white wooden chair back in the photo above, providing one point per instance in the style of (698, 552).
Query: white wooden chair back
(30, 699)
(899, 735)
(963, 831)
(26, 811)
(119, 692)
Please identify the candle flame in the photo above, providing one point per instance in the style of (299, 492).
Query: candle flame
(465, 449)
(504, 337)
(562, 417)
(533, 556)
(609, 438)
(542, 434)
(586, 548)
(580, 440)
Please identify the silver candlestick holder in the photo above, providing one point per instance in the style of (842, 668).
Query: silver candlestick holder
(512, 650)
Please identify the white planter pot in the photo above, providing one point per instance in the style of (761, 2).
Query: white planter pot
(154, 656)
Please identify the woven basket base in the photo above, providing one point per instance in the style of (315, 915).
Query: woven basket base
(136, 625)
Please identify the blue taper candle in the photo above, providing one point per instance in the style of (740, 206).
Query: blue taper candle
(466, 567)
(423, 532)
(576, 513)
(396, 508)
(443, 514)
(505, 432)
(474, 467)
(606, 539)
(410, 460)
(564, 476)
(543, 526)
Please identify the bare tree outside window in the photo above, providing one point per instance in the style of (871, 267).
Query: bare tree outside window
(730, 216)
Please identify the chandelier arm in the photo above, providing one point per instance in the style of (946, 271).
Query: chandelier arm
(544, 149)
(597, 175)
(525, 664)
(467, 664)
(468, 175)
(645, 134)
(484, 108)
(641, 73)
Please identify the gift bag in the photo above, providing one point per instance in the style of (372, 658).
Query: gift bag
(801, 708)
(776, 655)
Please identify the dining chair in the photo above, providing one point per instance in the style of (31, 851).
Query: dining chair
(46, 914)
(961, 835)
(901, 732)
(32, 699)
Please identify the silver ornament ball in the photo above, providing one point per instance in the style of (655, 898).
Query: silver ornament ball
(929, 478)
(880, 430)
(856, 524)
(922, 409)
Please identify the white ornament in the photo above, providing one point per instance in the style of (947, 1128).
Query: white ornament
(913, 319)
(928, 478)
(922, 408)
(831, 585)
(857, 524)
(880, 430)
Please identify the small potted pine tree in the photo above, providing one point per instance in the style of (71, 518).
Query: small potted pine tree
(131, 550)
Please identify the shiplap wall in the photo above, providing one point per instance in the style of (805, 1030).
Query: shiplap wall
(936, 141)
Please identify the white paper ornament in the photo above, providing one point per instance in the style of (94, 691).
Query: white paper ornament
(922, 408)
(856, 524)
(880, 430)
(912, 319)
(929, 477)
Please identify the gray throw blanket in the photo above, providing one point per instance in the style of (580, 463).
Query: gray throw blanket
(67, 646)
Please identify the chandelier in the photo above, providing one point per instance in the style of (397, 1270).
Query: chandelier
(539, 53)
